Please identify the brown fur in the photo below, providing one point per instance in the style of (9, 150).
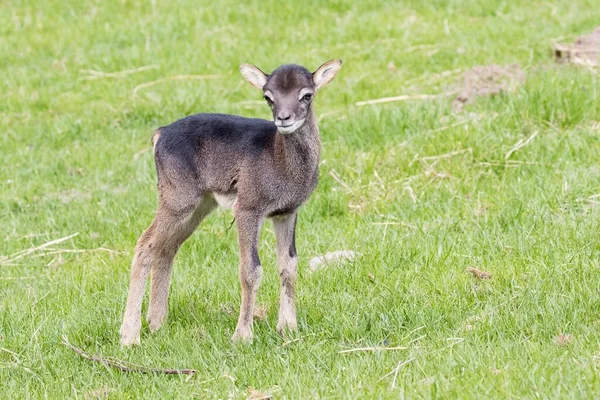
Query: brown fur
(248, 164)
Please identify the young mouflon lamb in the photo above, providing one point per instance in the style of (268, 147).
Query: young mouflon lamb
(258, 168)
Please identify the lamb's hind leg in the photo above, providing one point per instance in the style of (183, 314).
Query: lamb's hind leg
(156, 249)
(176, 230)
(132, 320)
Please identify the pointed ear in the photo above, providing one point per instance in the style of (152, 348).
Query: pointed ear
(253, 75)
(326, 72)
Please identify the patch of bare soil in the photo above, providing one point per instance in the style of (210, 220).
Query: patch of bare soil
(585, 50)
(487, 80)
(564, 339)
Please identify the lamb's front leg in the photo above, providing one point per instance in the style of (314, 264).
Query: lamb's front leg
(285, 233)
(250, 272)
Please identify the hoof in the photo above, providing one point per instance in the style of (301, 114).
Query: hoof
(285, 328)
(129, 336)
(130, 340)
(242, 336)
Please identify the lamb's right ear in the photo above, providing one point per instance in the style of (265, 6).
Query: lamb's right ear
(253, 75)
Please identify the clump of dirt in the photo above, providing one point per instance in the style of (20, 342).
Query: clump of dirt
(585, 50)
(563, 339)
(487, 80)
(479, 274)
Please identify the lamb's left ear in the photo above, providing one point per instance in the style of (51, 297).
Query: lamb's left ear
(326, 72)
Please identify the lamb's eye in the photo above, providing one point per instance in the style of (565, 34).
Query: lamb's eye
(307, 97)
(268, 99)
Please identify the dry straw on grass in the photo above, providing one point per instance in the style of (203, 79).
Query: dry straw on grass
(125, 366)
(146, 85)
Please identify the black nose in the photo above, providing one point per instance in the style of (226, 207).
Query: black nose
(283, 117)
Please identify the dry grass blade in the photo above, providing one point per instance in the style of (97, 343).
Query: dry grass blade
(13, 354)
(519, 145)
(443, 128)
(395, 371)
(137, 89)
(400, 223)
(15, 278)
(288, 342)
(125, 366)
(339, 180)
(51, 252)
(509, 164)
(373, 348)
(447, 155)
(434, 77)
(590, 199)
(400, 98)
(26, 252)
(93, 74)
(411, 193)
(139, 153)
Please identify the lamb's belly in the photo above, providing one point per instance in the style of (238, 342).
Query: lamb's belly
(284, 206)
(226, 200)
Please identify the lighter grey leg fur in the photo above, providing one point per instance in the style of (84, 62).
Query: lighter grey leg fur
(156, 248)
(132, 320)
(162, 261)
(287, 259)
(250, 272)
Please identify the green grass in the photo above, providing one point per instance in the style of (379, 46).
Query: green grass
(75, 157)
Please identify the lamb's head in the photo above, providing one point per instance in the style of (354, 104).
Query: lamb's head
(290, 89)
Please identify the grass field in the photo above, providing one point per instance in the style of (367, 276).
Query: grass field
(75, 157)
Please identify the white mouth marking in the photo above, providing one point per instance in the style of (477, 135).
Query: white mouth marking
(290, 128)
